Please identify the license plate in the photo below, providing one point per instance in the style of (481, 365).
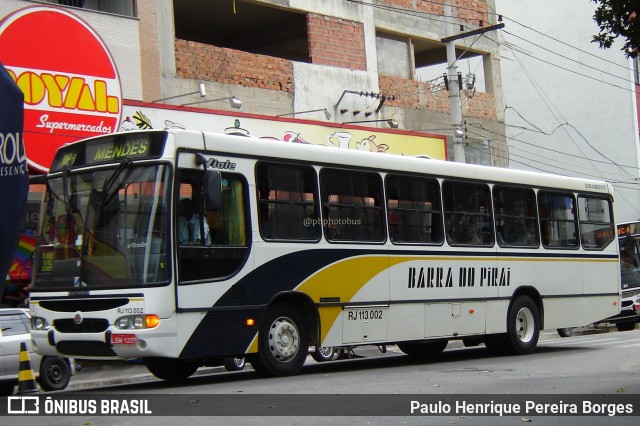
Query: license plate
(123, 339)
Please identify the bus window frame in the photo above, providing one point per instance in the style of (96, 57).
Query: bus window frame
(262, 203)
(326, 205)
(439, 211)
(542, 221)
(498, 186)
(491, 220)
(614, 230)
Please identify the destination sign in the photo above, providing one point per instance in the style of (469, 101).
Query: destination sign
(111, 148)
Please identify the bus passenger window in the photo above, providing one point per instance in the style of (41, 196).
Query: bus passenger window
(558, 220)
(467, 213)
(516, 217)
(352, 206)
(413, 209)
(596, 222)
(288, 202)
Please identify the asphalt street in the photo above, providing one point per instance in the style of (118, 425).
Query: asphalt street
(96, 374)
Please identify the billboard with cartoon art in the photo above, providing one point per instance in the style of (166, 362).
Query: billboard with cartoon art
(140, 116)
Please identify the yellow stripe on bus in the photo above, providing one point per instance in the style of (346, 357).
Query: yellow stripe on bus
(345, 278)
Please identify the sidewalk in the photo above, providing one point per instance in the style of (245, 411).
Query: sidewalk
(95, 374)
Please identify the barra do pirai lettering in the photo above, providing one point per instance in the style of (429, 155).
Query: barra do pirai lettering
(436, 277)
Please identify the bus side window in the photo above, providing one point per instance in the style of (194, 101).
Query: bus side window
(597, 229)
(516, 217)
(288, 202)
(468, 213)
(558, 220)
(353, 203)
(413, 210)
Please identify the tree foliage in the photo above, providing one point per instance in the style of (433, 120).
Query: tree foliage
(618, 18)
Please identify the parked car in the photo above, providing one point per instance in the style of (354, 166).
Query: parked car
(52, 373)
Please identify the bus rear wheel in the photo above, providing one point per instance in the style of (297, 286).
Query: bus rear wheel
(283, 342)
(423, 350)
(523, 327)
(323, 353)
(170, 369)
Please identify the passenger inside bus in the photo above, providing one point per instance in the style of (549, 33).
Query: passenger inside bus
(189, 224)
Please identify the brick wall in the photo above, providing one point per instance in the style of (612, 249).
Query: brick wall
(336, 42)
(228, 66)
(482, 105)
(472, 12)
(419, 95)
(469, 11)
(413, 94)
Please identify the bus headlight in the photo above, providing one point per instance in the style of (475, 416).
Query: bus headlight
(137, 322)
(39, 323)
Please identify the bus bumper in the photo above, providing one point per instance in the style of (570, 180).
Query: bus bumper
(109, 344)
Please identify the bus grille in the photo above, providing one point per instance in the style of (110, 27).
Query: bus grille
(88, 325)
(84, 305)
(73, 348)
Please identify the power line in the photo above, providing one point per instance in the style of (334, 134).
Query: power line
(514, 139)
(567, 44)
(566, 57)
(576, 72)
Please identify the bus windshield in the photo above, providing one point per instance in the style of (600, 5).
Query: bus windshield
(105, 228)
(629, 258)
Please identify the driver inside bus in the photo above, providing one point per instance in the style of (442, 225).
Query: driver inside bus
(189, 224)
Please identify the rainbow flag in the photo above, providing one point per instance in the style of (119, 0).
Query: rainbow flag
(22, 263)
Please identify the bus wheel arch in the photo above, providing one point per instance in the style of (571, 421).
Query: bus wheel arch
(524, 322)
(533, 294)
(284, 336)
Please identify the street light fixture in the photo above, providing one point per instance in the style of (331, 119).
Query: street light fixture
(233, 102)
(327, 114)
(202, 91)
(391, 122)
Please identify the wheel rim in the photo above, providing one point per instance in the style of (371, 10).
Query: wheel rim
(326, 351)
(54, 373)
(284, 339)
(525, 325)
(239, 362)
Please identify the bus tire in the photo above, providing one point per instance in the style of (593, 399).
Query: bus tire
(170, 369)
(323, 353)
(523, 327)
(565, 332)
(625, 326)
(423, 350)
(234, 363)
(283, 342)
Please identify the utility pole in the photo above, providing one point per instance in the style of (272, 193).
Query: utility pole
(454, 81)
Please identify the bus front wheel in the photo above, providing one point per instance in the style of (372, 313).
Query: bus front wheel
(523, 327)
(170, 369)
(283, 342)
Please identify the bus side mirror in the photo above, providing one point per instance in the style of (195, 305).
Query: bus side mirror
(212, 190)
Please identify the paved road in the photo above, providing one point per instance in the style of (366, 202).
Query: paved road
(97, 374)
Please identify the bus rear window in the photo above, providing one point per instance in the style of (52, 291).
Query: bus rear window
(596, 222)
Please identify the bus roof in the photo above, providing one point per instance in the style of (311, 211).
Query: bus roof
(328, 156)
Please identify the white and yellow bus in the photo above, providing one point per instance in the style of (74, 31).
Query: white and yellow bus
(293, 246)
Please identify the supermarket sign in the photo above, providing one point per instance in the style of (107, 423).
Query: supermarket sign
(70, 82)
